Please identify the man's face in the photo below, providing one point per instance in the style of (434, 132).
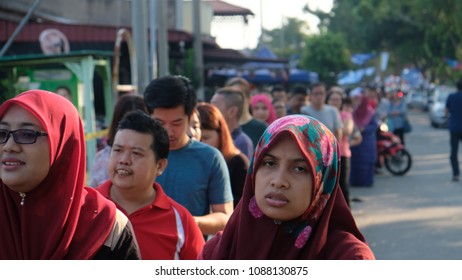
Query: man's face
(133, 165)
(280, 108)
(176, 122)
(318, 96)
(297, 102)
(280, 95)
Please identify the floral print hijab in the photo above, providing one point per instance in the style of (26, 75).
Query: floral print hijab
(326, 230)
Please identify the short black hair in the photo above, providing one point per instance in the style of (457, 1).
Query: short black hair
(170, 92)
(141, 122)
(298, 89)
(317, 84)
(278, 88)
(459, 84)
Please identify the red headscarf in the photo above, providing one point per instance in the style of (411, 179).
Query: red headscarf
(267, 101)
(326, 230)
(364, 113)
(60, 218)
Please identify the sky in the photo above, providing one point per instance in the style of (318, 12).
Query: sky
(234, 34)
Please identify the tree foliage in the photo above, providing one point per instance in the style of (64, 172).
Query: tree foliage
(327, 55)
(421, 33)
(287, 40)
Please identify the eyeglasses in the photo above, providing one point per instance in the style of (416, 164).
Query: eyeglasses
(21, 136)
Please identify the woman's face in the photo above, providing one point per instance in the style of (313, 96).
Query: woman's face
(283, 183)
(335, 99)
(23, 166)
(260, 111)
(211, 137)
(195, 127)
(64, 93)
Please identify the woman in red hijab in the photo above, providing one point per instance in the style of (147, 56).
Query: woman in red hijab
(262, 108)
(45, 210)
(291, 207)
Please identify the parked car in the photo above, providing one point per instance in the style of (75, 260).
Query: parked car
(437, 108)
(416, 99)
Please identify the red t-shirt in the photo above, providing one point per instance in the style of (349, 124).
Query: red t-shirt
(165, 230)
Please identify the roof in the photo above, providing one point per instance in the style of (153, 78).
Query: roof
(94, 12)
(36, 58)
(84, 33)
(222, 8)
(85, 25)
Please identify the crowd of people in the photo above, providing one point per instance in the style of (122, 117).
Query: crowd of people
(182, 179)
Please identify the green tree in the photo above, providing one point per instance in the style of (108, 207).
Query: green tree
(326, 54)
(287, 40)
(421, 33)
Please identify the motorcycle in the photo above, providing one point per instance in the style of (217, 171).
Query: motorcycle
(397, 159)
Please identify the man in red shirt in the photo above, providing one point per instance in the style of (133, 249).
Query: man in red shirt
(164, 229)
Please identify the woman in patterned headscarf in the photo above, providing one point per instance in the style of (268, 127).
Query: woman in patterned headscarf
(291, 207)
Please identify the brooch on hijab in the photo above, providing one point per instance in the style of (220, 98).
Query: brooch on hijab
(23, 198)
(302, 238)
(254, 209)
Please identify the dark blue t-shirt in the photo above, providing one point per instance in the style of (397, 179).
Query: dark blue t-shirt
(196, 177)
(454, 106)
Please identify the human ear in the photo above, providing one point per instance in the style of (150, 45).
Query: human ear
(161, 165)
(232, 111)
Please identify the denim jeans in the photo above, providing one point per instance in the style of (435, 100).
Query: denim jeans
(456, 137)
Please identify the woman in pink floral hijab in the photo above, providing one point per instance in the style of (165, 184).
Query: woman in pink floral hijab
(291, 207)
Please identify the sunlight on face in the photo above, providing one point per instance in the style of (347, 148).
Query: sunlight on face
(24, 166)
(260, 112)
(132, 163)
(176, 122)
(335, 99)
(283, 183)
(280, 108)
(195, 131)
(211, 137)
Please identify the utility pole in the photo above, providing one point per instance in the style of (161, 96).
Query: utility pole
(153, 38)
(20, 27)
(198, 53)
(179, 14)
(162, 38)
(139, 12)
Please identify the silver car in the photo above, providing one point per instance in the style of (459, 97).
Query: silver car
(416, 99)
(437, 108)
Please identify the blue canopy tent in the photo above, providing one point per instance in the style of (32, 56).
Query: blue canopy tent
(223, 73)
(264, 53)
(302, 76)
(270, 70)
(263, 76)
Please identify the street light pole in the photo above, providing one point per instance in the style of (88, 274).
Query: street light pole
(198, 53)
(153, 37)
(162, 38)
(139, 12)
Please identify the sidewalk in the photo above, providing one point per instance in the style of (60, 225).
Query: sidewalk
(417, 216)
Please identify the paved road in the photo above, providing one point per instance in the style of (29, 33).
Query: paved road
(417, 216)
